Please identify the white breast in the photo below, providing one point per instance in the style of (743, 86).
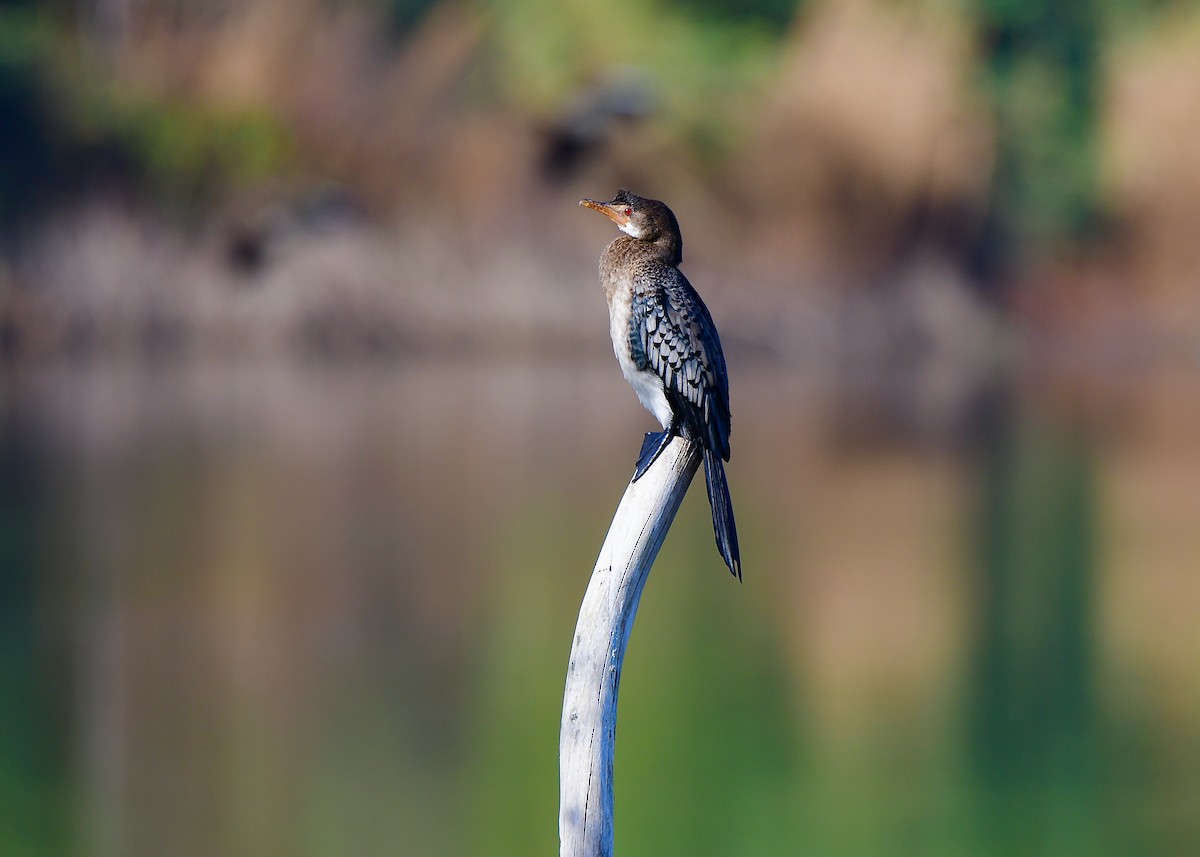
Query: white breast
(646, 384)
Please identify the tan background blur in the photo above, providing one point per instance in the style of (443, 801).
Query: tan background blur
(310, 428)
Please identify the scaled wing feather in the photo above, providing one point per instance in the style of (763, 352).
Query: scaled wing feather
(675, 336)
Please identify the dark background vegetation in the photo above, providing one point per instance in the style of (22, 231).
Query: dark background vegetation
(310, 429)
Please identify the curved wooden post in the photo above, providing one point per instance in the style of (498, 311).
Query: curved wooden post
(589, 718)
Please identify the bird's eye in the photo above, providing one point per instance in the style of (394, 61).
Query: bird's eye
(628, 212)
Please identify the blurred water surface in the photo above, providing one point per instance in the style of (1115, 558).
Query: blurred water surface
(294, 609)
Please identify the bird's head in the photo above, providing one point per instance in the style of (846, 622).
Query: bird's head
(644, 219)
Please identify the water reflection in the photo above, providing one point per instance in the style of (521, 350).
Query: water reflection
(1034, 748)
(291, 609)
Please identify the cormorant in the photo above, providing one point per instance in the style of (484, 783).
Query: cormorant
(667, 346)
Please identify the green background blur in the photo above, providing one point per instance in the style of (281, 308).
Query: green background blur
(310, 429)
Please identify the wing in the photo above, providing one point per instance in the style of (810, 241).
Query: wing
(673, 336)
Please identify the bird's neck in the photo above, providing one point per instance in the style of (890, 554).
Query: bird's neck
(668, 248)
(625, 252)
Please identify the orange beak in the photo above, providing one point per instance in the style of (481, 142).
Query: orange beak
(615, 213)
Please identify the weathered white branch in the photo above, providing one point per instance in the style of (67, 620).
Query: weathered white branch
(589, 718)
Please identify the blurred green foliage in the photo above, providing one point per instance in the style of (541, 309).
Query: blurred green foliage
(1042, 76)
(776, 14)
(66, 122)
(26, 145)
(709, 66)
(181, 144)
(404, 15)
(700, 67)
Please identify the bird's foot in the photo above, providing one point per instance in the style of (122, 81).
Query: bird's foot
(652, 446)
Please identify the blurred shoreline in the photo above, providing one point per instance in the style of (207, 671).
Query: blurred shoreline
(305, 178)
(110, 283)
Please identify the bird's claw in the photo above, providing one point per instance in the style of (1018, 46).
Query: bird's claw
(652, 447)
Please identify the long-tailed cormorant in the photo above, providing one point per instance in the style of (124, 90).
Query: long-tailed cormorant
(668, 347)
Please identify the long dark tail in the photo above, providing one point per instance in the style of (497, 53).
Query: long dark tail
(722, 512)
